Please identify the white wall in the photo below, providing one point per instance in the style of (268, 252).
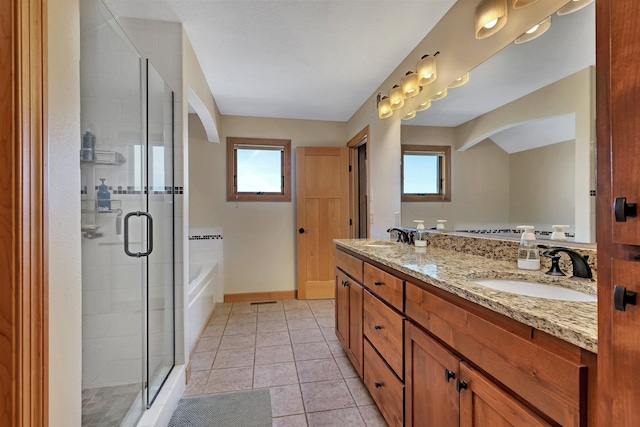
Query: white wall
(259, 243)
(479, 182)
(65, 287)
(573, 94)
(542, 185)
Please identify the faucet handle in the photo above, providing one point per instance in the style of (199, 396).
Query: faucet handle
(555, 269)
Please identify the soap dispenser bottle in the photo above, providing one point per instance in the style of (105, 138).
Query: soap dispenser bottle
(104, 196)
(558, 232)
(528, 254)
(419, 239)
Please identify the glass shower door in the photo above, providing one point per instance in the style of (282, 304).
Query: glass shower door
(160, 322)
(112, 166)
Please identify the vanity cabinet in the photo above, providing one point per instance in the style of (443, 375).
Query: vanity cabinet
(431, 358)
(543, 371)
(443, 391)
(349, 312)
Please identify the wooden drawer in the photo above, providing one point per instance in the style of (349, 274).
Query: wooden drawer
(552, 383)
(349, 264)
(386, 390)
(383, 327)
(388, 287)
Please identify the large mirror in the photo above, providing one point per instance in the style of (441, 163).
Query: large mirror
(521, 132)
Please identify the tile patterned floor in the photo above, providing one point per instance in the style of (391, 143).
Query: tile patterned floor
(290, 348)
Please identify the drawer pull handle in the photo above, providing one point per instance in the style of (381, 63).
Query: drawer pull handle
(622, 209)
(622, 297)
(377, 384)
(460, 385)
(377, 327)
(449, 375)
(377, 283)
(345, 283)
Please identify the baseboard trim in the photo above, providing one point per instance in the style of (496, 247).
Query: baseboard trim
(260, 296)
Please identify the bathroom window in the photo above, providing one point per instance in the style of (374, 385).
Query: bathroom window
(426, 173)
(258, 170)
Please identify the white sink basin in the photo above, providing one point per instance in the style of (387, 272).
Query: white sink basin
(538, 290)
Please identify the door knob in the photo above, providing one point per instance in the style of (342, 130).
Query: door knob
(622, 297)
(377, 327)
(301, 230)
(377, 384)
(622, 209)
(345, 283)
(460, 385)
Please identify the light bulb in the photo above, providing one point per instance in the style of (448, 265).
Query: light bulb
(491, 24)
(384, 108)
(533, 29)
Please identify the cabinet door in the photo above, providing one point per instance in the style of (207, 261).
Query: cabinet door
(342, 309)
(625, 351)
(625, 109)
(355, 326)
(484, 404)
(430, 382)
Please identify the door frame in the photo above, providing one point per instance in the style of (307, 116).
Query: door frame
(23, 214)
(361, 138)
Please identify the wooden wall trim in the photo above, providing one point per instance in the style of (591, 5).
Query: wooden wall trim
(23, 201)
(260, 296)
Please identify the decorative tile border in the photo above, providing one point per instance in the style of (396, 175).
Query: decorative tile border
(512, 231)
(207, 237)
(131, 190)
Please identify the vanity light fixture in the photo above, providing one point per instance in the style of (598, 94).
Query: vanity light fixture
(396, 97)
(439, 95)
(427, 70)
(490, 17)
(384, 108)
(409, 84)
(425, 105)
(410, 115)
(459, 81)
(573, 6)
(517, 4)
(534, 32)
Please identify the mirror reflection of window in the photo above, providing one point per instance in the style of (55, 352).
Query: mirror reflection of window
(421, 173)
(426, 172)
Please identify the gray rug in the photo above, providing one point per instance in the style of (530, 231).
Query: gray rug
(250, 408)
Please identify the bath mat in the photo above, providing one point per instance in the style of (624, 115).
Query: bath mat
(250, 408)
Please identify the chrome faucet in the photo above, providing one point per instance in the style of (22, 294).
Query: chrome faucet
(580, 265)
(403, 236)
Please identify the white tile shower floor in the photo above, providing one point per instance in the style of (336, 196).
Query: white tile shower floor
(289, 347)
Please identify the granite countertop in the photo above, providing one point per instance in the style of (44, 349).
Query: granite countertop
(574, 322)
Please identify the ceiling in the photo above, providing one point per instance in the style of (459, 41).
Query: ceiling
(304, 59)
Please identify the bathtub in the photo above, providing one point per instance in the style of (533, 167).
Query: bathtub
(203, 280)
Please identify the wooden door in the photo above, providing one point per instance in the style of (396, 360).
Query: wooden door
(618, 148)
(430, 381)
(484, 404)
(356, 293)
(342, 308)
(322, 191)
(24, 345)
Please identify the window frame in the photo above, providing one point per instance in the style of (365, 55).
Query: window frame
(444, 163)
(234, 196)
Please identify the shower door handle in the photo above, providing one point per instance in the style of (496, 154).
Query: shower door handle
(149, 234)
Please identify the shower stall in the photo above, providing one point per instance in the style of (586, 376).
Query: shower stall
(128, 249)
